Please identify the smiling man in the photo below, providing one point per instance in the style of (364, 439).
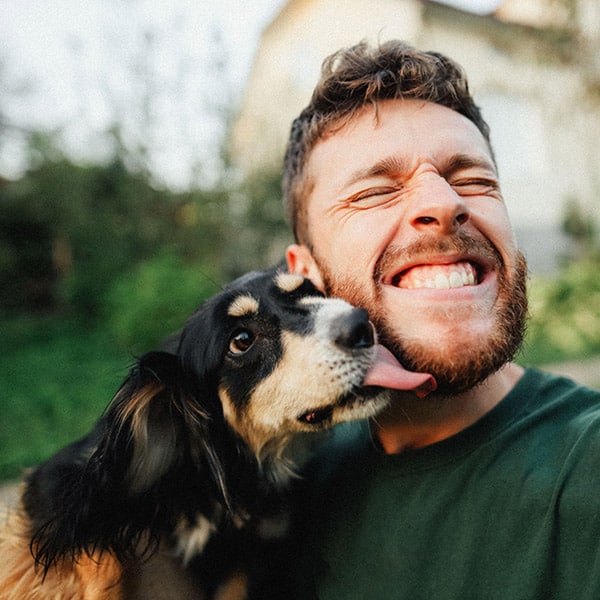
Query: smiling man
(479, 489)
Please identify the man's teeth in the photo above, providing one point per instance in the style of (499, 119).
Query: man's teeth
(439, 276)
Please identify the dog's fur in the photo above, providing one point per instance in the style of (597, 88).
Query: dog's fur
(180, 490)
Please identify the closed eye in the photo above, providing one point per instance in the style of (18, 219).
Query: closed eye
(474, 187)
(374, 196)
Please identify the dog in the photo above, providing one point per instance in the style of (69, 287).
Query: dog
(182, 488)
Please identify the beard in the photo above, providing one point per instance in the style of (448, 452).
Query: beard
(460, 370)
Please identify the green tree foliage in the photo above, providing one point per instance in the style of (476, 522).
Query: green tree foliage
(152, 301)
(259, 232)
(27, 274)
(565, 308)
(565, 314)
(580, 226)
(68, 231)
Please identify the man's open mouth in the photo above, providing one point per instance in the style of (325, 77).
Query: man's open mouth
(439, 276)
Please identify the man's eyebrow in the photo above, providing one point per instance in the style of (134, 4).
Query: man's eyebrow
(460, 161)
(389, 166)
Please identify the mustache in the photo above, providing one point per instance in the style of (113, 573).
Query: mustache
(425, 247)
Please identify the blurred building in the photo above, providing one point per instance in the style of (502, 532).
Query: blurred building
(534, 68)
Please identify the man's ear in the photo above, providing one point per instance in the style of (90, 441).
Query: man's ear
(301, 261)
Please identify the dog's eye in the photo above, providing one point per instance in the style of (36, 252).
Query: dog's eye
(241, 342)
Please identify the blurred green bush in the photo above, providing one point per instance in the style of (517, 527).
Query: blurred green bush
(154, 298)
(565, 314)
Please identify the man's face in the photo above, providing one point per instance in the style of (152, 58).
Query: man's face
(407, 220)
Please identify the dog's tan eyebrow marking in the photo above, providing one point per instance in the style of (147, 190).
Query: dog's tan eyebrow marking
(288, 282)
(243, 305)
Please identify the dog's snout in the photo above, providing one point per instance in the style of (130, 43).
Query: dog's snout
(353, 330)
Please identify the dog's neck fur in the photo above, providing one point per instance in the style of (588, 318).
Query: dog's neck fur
(283, 458)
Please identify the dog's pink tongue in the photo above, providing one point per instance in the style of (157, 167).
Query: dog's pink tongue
(387, 372)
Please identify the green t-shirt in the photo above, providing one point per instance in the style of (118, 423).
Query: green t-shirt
(507, 509)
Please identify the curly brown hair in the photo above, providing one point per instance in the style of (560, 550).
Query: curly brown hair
(358, 76)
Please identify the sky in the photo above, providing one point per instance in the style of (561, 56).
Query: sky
(73, 66)
(77, 60)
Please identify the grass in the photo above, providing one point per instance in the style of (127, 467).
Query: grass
(56, 378)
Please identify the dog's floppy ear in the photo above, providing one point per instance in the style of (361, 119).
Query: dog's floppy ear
(116, 495)
(149, 422)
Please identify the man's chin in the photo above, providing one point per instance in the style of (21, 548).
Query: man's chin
(451, 383)
(452, 376)
(458, 368)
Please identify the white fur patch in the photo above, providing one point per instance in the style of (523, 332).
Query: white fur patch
(192, 538)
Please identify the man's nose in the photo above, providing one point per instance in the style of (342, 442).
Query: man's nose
(437, 208)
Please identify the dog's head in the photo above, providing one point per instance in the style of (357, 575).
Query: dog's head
(281, 358)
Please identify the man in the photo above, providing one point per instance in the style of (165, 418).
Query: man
(489, 486)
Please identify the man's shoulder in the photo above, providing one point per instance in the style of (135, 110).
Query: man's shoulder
(545, 391)
(561, 414)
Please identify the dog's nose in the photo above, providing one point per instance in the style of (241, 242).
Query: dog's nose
(353, 330)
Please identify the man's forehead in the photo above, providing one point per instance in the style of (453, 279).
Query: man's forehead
(394, 135)
(406, 114)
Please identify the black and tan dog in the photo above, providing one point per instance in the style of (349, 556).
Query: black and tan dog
(180, 490)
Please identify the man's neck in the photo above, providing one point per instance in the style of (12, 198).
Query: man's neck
(411, 422)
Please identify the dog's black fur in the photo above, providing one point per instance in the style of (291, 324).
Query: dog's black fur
(196, 450)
